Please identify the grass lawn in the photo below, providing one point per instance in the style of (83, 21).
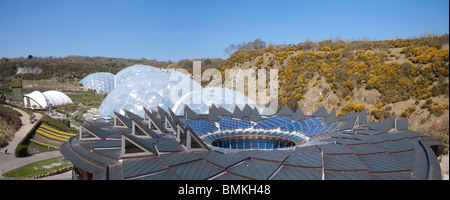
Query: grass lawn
(37, 168)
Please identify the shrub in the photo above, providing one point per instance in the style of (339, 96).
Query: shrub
(16, 83)
(350, 107)
(11, 117)
(380, 114)
(408, 111)
(437, 110)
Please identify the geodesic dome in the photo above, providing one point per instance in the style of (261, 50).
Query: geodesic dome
(200, 100)
(102, 82)
(149, 90)
(132, 71)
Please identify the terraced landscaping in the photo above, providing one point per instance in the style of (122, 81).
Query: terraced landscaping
(47, 138)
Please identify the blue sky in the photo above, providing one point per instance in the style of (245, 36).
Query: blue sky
(174, 30)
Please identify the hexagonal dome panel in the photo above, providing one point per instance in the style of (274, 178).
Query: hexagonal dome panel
(149, 90)
(102, 82)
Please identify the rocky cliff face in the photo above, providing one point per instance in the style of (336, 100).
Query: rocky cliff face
(26, 70)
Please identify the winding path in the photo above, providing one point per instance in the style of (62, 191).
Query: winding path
(10, 161)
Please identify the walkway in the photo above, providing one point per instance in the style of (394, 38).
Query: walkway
(10, 161)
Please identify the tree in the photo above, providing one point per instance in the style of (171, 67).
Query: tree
(255, 45)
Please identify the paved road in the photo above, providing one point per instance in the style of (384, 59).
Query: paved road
(10, 161)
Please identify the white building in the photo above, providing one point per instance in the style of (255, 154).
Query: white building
(42, 100)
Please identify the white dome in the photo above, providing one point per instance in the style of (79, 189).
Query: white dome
(149, 90)
(102, 82)
(43, 100)
(201, 100)
(56, 98)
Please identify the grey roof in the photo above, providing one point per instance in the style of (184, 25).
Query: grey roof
(174, 117)
(401, 124)
(189, 113)
(256, 117)
(331, 118)
(285, 112)
(362, 116)
(348, 115)
(268, 111)
(224, 112)
(298, 115)
(247, 110)
(140, 166)
(384, 125)
(321, 112)
(125, 120)
(131, 115)
(363, 152)
(146, 144)
(350, 122)
(237, 113)
(298, 173)
(144, 128)
(153, 116)
(214, 114)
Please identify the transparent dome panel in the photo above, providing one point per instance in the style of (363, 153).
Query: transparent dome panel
(200, 100)
(102, 82)
(147, 90)
(132, 71)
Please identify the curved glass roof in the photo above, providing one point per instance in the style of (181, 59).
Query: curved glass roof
(132, 71)
(200, 100)
(147, 90)
(102, 82)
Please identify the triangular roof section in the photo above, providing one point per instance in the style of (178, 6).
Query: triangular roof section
(167, 118)
(135, 146)
(321, 112)
(161, 112)
(154, 121)
(350, 123)
(138, 127)
(125, 120)
(189, 113)
(174, 117)
(237, 113)
(331, 118)
(131, 115)
(268, 111)
(214, 114)
(224, 112)
(362, 116)
(385, 125)
(285, 112)
(256, 117)
(298, 115)
(347, 116)
(86, 134)
(193, 141)
(148, 113)
(247, 110)
(401, 124)
(213, 106)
